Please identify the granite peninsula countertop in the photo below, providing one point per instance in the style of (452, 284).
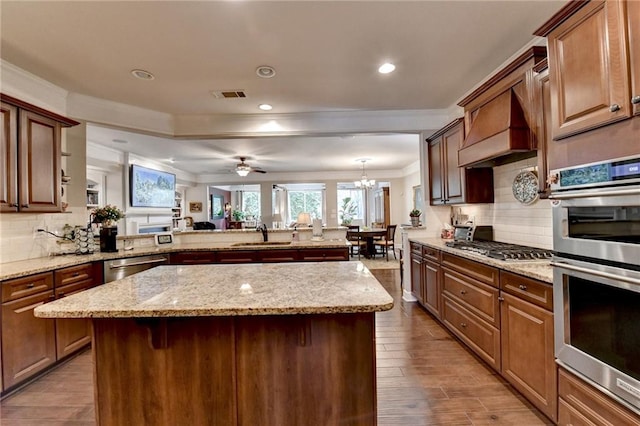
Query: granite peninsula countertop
(537, 269)
(229, 290)
(44, 264)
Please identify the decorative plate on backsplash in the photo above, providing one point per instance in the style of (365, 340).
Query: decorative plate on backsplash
(525, 187)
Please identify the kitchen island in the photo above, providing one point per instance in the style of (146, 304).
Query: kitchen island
(234, 344)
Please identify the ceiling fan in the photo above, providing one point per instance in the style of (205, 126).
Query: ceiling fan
(243, 168)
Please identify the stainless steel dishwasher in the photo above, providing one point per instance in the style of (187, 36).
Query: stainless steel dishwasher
(120, 268)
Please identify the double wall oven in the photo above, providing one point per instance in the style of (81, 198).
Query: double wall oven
(596, 226)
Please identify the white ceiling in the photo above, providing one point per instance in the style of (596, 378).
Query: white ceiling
(326, 54)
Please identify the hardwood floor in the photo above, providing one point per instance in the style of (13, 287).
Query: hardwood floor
(425, 377)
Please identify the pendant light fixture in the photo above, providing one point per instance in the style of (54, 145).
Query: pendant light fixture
(364, 182)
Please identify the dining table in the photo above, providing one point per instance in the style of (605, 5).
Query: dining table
(369, 236)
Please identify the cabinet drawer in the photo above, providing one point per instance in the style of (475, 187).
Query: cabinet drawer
(537, 292)
(323, 255)
(480, 336)
(193, 257)
(278, 255)
(26, 286)
(477, 297)
(237, 256)
(431, 253)
(73, 274)
(477, 270)
(75, 287)
(588, 404)
(416, 248)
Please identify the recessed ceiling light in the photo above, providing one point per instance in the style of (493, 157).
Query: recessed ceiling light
(265, 107)
(119, 141)
(265, 71)
(142, 74)
(386, 68)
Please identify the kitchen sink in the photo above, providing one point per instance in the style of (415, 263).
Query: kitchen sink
(263, 243)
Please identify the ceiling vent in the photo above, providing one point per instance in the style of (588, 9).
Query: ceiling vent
(228, 94)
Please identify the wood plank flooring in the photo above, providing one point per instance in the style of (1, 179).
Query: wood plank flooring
(425, 377)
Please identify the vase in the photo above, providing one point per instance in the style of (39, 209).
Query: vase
(108, 236)
(415, 221)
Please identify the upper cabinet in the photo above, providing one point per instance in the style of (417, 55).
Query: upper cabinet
(30, 157)
(633, 24)
(448, 183)
(591, 46)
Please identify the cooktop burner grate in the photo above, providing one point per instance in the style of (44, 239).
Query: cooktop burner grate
(502, 251)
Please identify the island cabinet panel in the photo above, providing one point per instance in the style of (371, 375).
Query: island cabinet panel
(190, 379)
(239, 256)
(74, 334)
(28, 343)
(589, 69)
(582, 404)
(325, 254)
(278, 363)
(527, 352)
(193, 257)
(278, 255)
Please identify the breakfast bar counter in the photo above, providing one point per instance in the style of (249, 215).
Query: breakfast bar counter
(234, 344)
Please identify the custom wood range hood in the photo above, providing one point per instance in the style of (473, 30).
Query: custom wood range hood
(500, 116)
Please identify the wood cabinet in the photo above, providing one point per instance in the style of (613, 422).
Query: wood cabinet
(28, 343)
(31, 156)
(416, 277)
(74, 334)
(529, 363)
(250, 256)
(633, 24)
(432, 287)
(448, 183)
(543, 124)
(192, 258)
(589, 66)
(582, 404)
(324, 254)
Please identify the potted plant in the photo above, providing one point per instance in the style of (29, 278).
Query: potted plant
(107, 216)
(415, 217)
(348, 211)
(238, 215)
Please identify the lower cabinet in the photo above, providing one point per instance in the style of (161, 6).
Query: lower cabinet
(324, 255)
(30, 344)
(582, 404)
(267, 256)
(192, 257)
(417, 280)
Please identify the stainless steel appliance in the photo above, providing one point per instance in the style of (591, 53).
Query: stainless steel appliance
(120, 268)
(596, 277)
(503, 251)
(472, 232)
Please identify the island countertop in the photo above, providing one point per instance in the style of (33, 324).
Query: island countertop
(229, 290)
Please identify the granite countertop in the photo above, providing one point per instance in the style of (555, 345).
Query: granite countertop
(537, 269)
(44, 264)
(229, 290)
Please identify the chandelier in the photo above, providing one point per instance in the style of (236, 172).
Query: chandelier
(364, 182)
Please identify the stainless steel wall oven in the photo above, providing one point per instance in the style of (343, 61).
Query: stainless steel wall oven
(596, 227)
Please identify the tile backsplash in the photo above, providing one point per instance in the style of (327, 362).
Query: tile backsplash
(19, 241)
(512, 221)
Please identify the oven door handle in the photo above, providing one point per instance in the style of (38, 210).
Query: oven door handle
(589, 194)
(596, 273)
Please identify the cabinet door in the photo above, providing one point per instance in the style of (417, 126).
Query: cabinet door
(432, 287)
(543, 128)
(9, 159)
(28, 343)
(436, 183)
(323, 255)
(633, 14)
(454, 190)
(193, 258)
(589, 69)
(416, 277)
(39, 172)
(528, 363)
(72, 334)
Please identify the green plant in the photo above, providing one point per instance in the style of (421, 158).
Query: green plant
(415, 213)
(238, 215)
(348, 210)
(107, 214)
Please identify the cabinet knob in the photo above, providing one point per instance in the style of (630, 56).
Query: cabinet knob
(463, 292)
(463, 324)
(614, 108)
(52, 297)
(31, 285)
(500, 299)
(25, 206)
(13, 205)
(75, 274)
(522, 287)
(61, 294)
(635, 100)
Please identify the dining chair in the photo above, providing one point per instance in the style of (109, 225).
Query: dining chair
(353, 236)
(388, 242)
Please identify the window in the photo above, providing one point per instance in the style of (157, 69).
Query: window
(251, 203)
(351, 205)
(309, 201)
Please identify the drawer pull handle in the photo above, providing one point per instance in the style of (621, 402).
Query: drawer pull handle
(635, 100)
(52, 297)
(614, 108)
(463, 292)
(463, 324)
(31, 285)
(522, 287)
(13, 205)
(61, 294)
(75, 274)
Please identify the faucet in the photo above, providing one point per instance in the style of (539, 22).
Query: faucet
(265, 235)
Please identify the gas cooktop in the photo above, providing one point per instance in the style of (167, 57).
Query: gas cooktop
(502, 251)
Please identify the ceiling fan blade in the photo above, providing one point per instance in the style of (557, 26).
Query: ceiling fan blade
(258, 171)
